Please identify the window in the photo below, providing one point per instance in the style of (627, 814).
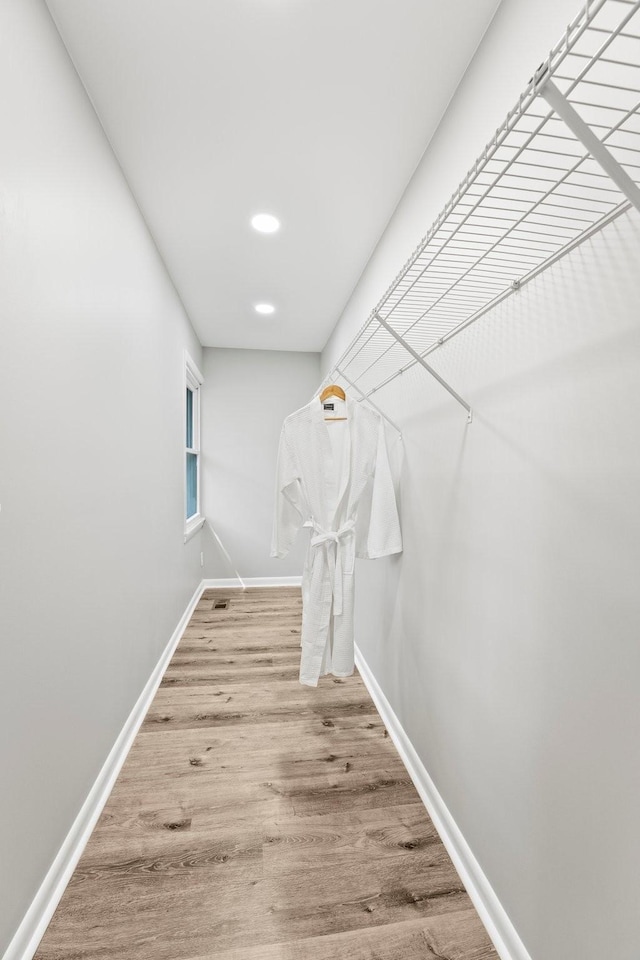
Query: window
(193, 381)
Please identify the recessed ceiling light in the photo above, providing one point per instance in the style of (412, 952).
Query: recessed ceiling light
(265, 308)
(265, 223)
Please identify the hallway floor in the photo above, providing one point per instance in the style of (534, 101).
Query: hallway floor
(257, 819)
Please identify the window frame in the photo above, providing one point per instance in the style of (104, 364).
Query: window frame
(193, 381)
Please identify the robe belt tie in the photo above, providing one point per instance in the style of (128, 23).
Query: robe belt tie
(334, 541)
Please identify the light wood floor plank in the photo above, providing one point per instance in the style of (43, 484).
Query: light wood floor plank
(257, 819)
(453, 936)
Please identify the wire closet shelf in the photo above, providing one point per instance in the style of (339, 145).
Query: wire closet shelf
(565, 162)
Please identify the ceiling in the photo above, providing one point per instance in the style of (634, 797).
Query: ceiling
(317, 111)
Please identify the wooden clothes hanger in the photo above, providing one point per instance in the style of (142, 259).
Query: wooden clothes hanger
(333, 390)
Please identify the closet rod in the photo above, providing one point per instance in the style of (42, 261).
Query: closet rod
(419, 359)
(581, 23)
(478, 253)
(514, 288)
(366, 399)
(596, 147)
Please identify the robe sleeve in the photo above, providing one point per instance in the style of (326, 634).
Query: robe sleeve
(379, 535)
(288, 514)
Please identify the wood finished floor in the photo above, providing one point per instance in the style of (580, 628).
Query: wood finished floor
(257, 819)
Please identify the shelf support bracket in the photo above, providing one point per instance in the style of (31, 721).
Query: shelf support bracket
(364, 397)
(587, 137)
(416, 356)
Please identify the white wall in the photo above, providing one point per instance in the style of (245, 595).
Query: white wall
(506, 635)
(246, 396)
(94, 574)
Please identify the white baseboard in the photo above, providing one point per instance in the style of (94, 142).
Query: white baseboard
(493, 915)
(31, 930)
(253, 582)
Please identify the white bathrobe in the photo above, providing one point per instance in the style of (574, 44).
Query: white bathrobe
(333, 477)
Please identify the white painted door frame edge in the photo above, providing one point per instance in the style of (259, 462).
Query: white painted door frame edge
(35, 921)
(493, 915)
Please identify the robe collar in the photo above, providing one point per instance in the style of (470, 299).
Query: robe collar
(317, 416)
(317, 412)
